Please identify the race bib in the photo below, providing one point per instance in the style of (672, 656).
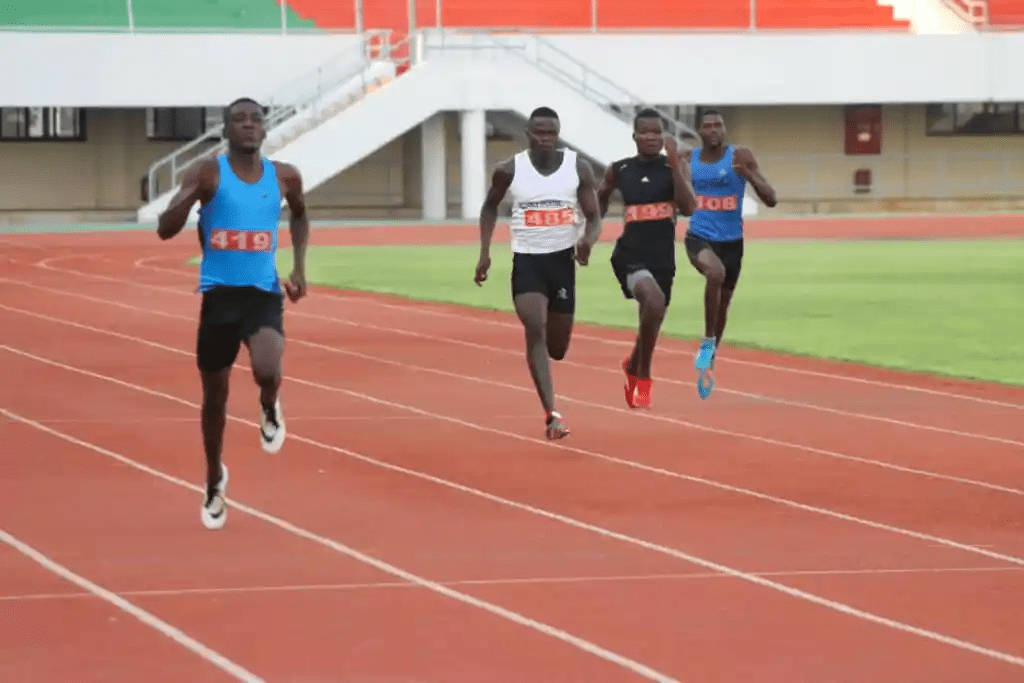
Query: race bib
(649, 212)
(727, 203)
(548, 218)
(241, 240)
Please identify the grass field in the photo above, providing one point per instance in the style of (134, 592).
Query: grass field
(944, 307)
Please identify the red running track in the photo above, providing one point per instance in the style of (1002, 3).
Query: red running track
(810, 523)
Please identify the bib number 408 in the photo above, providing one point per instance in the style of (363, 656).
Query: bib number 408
(241, 240)
(727, 203)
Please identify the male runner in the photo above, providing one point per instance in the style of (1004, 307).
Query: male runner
(653, 189)
(547, 185)
(714, 241)
(242, 302)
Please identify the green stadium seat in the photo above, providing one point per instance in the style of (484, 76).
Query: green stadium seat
(228, 14)
(264, 15)
(78, 13)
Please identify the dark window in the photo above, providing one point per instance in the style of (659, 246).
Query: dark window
(42, 123)
(178, 123)
(975, 118)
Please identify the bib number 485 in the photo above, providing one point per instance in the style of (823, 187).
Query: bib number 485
(548, 218)
(241, 240)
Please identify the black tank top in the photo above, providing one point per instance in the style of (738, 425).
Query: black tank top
(649, 211)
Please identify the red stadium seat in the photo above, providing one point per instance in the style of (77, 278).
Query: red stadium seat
(1006, 12)
(826, 14)
(611, 14)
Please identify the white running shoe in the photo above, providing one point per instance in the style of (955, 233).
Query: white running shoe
(272, 429)
(215, 510)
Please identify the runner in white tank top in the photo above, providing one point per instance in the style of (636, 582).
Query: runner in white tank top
(549, 188)
(544, 215)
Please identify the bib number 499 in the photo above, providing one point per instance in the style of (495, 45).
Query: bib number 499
(241, 240)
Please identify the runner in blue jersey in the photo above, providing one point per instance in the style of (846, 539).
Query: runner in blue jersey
(240, 196)
(714, 240)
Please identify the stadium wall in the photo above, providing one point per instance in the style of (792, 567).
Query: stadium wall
(801, 148)
(808, 67)
(157, 70)
(742, 69)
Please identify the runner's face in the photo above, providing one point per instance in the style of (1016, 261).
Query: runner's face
(245, 127)
(712, 131)
(649, 136)
(542, 133)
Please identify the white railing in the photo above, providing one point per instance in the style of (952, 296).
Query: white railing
(971, 11)
(560, 65)
(301, 96)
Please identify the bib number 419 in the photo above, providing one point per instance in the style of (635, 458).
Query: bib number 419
(241, 240)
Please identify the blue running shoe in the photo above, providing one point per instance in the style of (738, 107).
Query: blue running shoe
(706, 354)
(704, 362)
(705, 384)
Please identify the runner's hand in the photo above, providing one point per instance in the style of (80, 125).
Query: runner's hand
(582, 252)
(295, 285)
(482, 266)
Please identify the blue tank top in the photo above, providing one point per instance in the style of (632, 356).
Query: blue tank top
(238, 231)
(719, 190)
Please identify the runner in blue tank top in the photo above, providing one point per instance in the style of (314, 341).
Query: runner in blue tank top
(240, 197)
(714, 241)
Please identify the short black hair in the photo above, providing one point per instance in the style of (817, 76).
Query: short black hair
(646, 113)
(543, 112)
(709, 112)
(241, 100)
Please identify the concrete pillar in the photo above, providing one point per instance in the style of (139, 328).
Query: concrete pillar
(473, 126)
(434, 169)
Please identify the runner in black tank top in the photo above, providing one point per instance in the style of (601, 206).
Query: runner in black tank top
(654, 189)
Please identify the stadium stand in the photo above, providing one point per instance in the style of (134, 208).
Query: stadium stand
(92, 13)
(155, 14)
(826, 14)
(611, 14)
(530, 14)
(1006, 13)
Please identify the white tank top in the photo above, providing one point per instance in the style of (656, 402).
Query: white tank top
(544, 208)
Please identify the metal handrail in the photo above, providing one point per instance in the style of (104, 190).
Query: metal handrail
(577, 75)
(676, 127)
(366, 86)
(308, 90)
(288, 102)
(971, 11)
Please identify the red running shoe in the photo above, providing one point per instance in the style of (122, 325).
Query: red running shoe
(642, 396)
(630, 384)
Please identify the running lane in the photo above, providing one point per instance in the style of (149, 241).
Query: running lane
(640, 491)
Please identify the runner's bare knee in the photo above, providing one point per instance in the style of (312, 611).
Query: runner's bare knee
(559, 332)
(215, 389)
(712, 268)
(266, 347)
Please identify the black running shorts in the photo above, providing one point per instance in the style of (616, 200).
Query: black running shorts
(626, 261)
(552, 274)
(729, 253)
(230, 315)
